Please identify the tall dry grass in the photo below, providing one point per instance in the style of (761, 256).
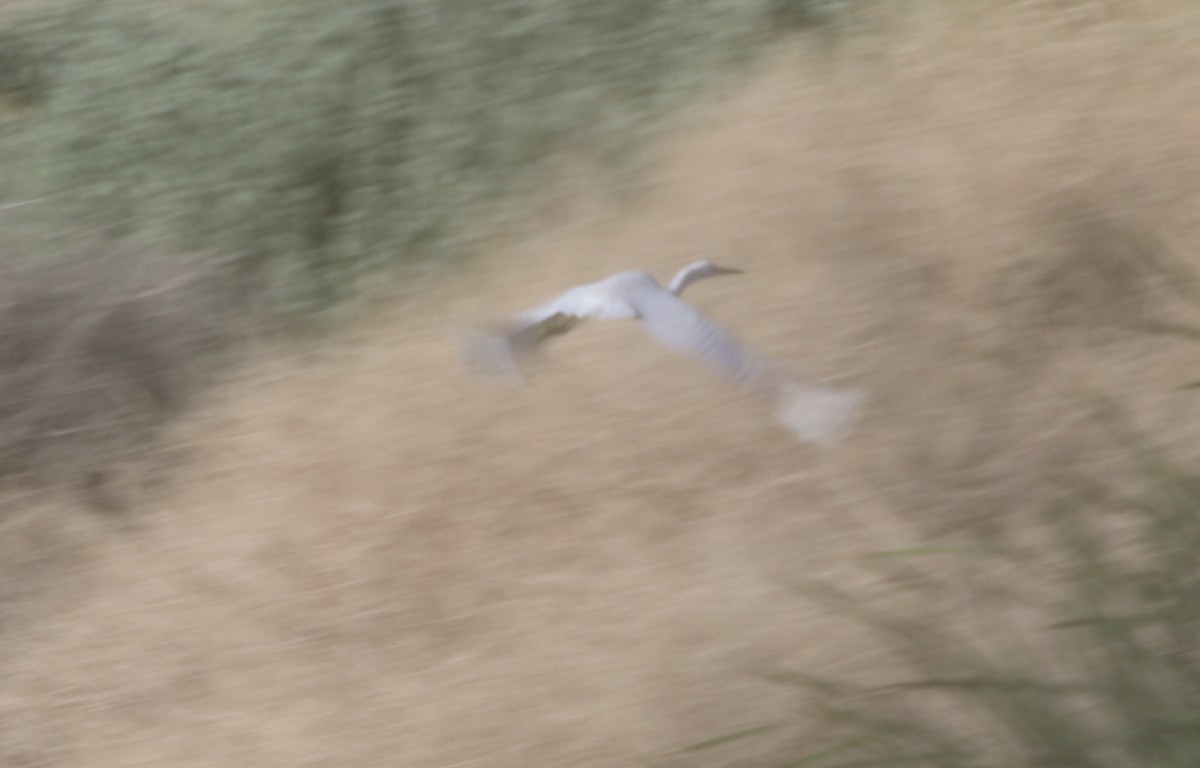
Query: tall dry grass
(373, 560)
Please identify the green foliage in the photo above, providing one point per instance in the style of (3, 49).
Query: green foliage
(808, 13)
(22, 78)
(318, 142)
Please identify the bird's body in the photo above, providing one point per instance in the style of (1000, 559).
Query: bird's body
(815, 414)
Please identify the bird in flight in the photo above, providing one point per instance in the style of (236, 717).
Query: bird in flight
(815, 414)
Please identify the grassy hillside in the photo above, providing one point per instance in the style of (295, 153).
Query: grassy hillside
(317, 144)
(205, 164)
(985, 215)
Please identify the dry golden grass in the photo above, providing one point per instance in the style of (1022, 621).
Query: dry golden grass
(371, 559)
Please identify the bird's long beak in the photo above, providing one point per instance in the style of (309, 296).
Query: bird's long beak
(727, 271)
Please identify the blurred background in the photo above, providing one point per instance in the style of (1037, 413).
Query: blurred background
(253, 511)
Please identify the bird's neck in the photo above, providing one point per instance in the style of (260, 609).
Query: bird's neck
(681, 281)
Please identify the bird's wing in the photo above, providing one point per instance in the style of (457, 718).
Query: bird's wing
(818, 415)
(562, 313)
(682, 328)
(500, 351)
(581, 302)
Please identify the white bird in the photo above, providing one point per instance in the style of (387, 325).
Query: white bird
(816, 414)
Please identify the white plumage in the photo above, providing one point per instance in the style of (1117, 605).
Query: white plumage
(816, 414)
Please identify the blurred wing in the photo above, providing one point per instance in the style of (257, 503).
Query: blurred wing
(585, 301)
(682, 328)
(819, 415)
(500, 351)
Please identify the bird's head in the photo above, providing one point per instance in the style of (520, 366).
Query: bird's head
(706, 268)
(698, 270)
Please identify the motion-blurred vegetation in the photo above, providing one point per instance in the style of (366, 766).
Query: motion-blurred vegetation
(316, 144)
(263, 159)
(178, 164)
(1110, 679)
(1118, 688)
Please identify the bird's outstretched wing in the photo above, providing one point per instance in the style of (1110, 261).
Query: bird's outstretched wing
(815, 414)
(501, 350)
(595, 301)
(682, 328)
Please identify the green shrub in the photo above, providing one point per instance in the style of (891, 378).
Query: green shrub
(319, 142)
